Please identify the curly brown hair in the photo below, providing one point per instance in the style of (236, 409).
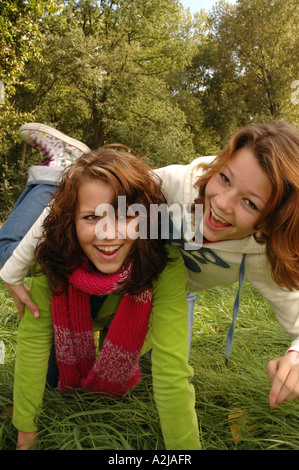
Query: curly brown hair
(58, 252)
(276, 147)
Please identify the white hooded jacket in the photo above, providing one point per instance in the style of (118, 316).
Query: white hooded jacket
(218, 264)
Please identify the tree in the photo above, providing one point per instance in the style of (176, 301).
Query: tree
(19, 42)
(261, 38)
(242, 71)
(108, 62)
(19, 35)
(195, 90)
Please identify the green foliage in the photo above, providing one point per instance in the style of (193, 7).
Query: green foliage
(267, 57)
(242, 71)
(19, 33)
(141, 115)
(20, 42)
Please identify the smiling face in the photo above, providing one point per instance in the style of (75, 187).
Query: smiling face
(110, 252)
(235, 198)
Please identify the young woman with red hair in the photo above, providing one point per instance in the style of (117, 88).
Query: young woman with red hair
(250, 227)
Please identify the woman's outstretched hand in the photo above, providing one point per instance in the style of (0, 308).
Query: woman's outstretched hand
(284, 374)
(20, 296)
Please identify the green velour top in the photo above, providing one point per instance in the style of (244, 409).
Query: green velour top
(167, 337)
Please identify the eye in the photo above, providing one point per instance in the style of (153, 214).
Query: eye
(91, 217)
(224, 178)
(251, 205)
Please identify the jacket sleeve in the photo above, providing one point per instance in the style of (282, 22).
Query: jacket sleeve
(285, 303)
(173, 391)
(35, 336)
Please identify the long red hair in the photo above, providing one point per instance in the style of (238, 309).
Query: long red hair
(276, 147)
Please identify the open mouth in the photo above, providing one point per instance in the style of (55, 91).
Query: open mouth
(217, 221)
(108, 250)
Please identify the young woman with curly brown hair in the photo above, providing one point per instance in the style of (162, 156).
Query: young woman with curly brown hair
(93, 273)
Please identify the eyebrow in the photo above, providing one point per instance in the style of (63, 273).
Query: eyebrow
(249, 192)
(91, 212)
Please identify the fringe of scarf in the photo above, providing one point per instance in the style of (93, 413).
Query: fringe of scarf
(117, 368)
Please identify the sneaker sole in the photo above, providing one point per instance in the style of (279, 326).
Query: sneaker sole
(35, 126)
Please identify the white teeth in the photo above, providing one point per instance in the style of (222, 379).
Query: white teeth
(108, 249)
(218, 218)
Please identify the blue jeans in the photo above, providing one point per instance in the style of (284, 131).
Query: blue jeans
(42, 183)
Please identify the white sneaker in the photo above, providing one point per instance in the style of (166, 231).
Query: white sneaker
(60, 149)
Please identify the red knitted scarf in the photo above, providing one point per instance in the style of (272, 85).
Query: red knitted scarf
(116, 370)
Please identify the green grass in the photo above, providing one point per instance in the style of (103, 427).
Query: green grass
(84, 421)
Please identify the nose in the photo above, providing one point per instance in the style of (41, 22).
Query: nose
(225, 201)
(109, 228)
(106, 226)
